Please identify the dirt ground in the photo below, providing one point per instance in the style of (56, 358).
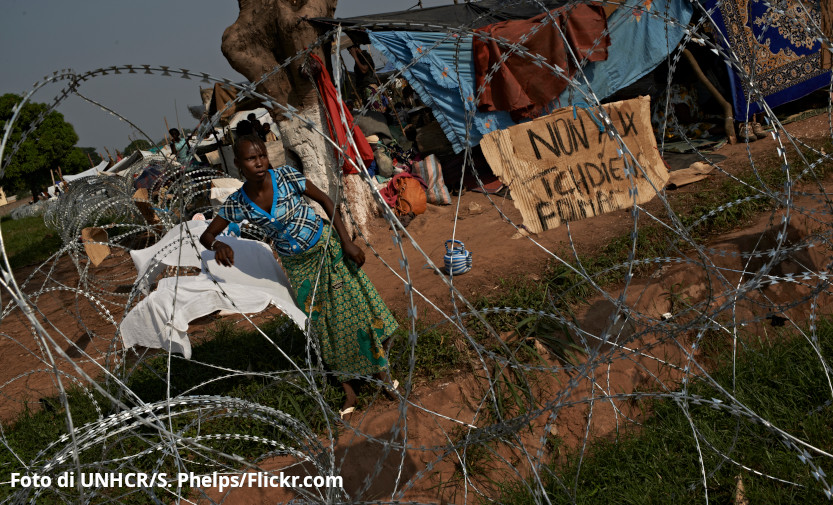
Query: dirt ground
(9, 207)
(425, 469)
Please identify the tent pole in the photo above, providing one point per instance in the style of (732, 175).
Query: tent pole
(728, 115)
(352, 86)
(392, 106)
(220, 149)
(181, 131)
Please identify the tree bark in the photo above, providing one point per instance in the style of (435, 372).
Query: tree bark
(266, 33)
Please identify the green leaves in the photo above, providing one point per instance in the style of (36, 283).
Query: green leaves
(45, 147)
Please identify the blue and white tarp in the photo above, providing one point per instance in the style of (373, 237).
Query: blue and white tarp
(440, 67)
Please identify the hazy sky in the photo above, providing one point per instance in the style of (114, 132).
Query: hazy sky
(38, 37)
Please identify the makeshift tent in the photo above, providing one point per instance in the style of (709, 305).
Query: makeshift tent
(125, 163)
(827, 30)
(433, 19)
(260, 113)
(96, 170)
(782, 59)
(439, 66)
(148, 177)
(563, 38)
(443, 77)
(224, 93)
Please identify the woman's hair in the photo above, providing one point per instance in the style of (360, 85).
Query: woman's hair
(254, 139)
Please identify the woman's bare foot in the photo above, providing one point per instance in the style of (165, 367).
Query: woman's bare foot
(349, 400)
(389, 386)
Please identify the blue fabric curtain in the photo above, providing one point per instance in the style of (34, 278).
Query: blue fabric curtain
(440, 68)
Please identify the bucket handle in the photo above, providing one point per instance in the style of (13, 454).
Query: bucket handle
(454, 248)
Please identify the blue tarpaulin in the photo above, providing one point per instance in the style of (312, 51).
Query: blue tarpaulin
(440, 68)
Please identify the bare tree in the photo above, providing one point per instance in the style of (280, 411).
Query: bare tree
(266, 33)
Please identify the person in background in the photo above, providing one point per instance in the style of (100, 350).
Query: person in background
(179, 146)
(266, 132)
(324, 266)
(363, 70)
(244, 128)
(259, 128)
(409, 98)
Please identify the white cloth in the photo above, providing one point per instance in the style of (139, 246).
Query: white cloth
(261, 114)
(98, 169)
(161, 320)
(166, 252)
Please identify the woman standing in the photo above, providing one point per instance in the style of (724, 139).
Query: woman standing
(345, 310)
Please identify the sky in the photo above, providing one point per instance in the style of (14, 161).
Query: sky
(38, 37)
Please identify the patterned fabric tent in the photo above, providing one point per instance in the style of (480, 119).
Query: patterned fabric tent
(774, 51)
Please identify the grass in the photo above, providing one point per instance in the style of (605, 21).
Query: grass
(28, 241)
(268, 381)
(782, 380)
(726, 205)
(721, 206)
(435, 353)
(268, 378)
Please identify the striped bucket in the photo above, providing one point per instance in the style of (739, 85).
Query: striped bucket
(457, 259)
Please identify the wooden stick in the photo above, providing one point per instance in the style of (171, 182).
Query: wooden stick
(392, 106)
(167, 129)
(728, 114)
(220, 150)
(352, 85)
(178, 127)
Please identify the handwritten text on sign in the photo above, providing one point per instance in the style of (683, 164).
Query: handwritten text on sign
(563, 168)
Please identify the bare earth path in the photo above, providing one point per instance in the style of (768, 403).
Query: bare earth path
(428, 468)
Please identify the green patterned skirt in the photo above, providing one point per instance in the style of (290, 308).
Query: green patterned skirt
(346, 312)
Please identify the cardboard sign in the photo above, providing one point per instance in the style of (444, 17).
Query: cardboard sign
(562, 167)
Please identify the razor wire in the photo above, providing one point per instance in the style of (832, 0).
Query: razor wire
(518, 393)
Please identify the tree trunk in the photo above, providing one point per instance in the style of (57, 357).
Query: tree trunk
(266, 33)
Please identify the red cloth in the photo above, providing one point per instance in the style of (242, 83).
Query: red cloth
(334, 106)
(520, 86)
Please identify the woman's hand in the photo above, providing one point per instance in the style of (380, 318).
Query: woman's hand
(353, 252)
(223, 254)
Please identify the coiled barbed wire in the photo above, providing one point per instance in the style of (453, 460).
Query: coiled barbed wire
(512, 400)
